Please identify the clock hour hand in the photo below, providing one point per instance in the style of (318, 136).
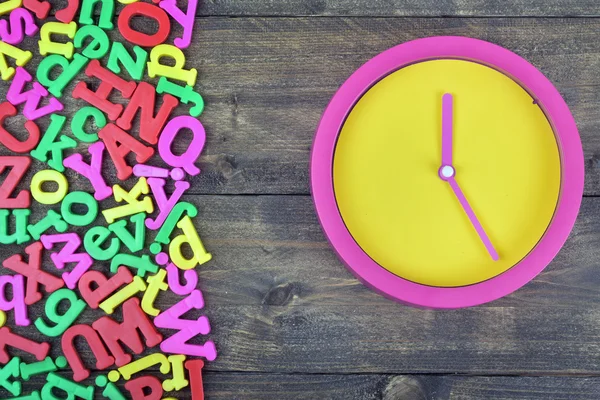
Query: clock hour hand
(472, 217)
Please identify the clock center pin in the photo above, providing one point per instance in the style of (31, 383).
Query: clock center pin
(446, 172)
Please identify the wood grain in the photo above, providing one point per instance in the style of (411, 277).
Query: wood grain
(233, 386)
(267, 81)
(289, 320)
(389, 8)
(280, 301)
(402, 8)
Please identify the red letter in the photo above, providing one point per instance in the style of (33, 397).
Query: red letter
(20, 165)
(103, 359)
(119, 143)
(39, 8)
(194, 368)
(31, 270)
(150, 11)
(7, 338)
(144, 99)
(126, 332)
(105, 286)
(136, 388)
(108, 82)
(8, 140)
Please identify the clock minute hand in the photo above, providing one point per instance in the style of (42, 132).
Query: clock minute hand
(447, 172)
(472, 217)
(447, 121)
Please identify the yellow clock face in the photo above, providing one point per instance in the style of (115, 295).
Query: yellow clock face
(399, 210)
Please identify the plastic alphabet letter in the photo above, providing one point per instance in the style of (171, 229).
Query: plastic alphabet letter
(171, 319)
(135, 68)
(147, 10)
(31, 270)
(52, 219)
(187, 159)
(156, 283)
(178, 382)
(7, 338)
(103, 359)
(11, 370)
(7, 138)
(17, 303)
(9, 5)
(71, 389)
(67, 255)
(111, 391)
(41, 367)
(21, 58)
(39, 8)
(190, 275)
(79, 219)
(144, 99)
(20, 23)
(143, 264)
(175, 215)
(165, 205)
(108, 82)
(107, 10)
(69, 71)
(20, 166)
(21, 219)
(105, 286)
(32, 98)
(191, 237)
(93, 240)
(144, 363)
(67, 14)
(134, 319)
(185, 94)
(151, 383)
(80, 119)
(47, 46)
(119, 144)
(48, 175)
(98, 46)
(174, 72)
(61, 321)
(185, 20)
(137, 285)
(48, 144)
(133, 205)
(194, 368)
(133, 243)
(92, 171)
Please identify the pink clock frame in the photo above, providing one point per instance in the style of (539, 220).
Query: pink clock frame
(503, 60)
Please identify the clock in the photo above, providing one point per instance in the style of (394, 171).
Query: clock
(447, 172)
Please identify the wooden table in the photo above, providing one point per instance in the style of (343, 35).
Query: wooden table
(289, 320)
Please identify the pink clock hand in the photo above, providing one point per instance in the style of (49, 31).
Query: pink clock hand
(472, 217)
(447, 173)
(447, 110)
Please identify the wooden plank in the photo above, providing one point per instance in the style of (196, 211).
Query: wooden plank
(403, 8)
(280, 301)
(232, 385)
(391, 8)
(266, 82)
